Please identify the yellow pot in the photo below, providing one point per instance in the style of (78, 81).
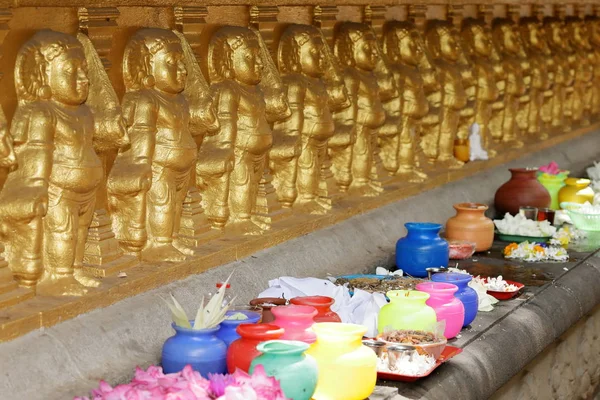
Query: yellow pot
(576, 190)
(347, 368)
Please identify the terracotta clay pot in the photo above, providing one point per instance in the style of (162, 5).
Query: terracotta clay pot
(264, 303)
(522, 190)
(322, 304)
(470, 223)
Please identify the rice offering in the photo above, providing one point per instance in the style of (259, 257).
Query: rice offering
(413, 364)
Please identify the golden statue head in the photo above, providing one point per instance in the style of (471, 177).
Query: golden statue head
(532, 33)
(301, 50)
(593, 24)
(402, 43)
(442, 41)
(235, 53)
(505, 37)
(578, 33)
(477, 38)
(154, 59)
(52, 65)
(553, 28)
(356, 46)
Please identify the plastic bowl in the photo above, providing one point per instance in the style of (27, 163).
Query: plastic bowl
(461, 249)
(585, 222)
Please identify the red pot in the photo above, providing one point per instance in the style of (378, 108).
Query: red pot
(242, 351)
(522, 190)
(322, 304)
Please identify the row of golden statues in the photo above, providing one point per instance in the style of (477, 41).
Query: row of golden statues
(231, 139)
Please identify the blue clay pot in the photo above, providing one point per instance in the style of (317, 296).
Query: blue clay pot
(227, 332)
(465, 294)
(202, 349)
(421, 248)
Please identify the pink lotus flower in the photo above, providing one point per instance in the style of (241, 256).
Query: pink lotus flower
(188, 384)
(551, 169)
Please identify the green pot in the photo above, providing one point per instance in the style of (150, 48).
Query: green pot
(553, 184)
(285, 360)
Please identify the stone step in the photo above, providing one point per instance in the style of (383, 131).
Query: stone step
(14, 296)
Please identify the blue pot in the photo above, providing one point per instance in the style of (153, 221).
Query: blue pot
(421, 248)
(465, 294)
(227, 332)
(202, 349)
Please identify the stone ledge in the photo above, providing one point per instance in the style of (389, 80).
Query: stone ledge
(47, 311)
(69, 358)
(502, 342)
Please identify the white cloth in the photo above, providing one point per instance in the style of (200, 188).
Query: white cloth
(362, 308)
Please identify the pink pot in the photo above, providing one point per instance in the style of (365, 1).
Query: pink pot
(296, 322)
(446, 306)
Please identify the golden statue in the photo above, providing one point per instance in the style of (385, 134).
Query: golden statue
(593, 25)
(386, 144)
(49, 198)
(403, 46)
(299, 175)
(480, 48)
(469, 81)
(584, 71)
(441, 39)
(564, 73)
(506, 42)
(147, 214)
(534, 46)
(522, 117)
(235, 65)
(356, 49)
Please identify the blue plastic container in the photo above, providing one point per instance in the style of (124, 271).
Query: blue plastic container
(466, 294)
(227, 332)
(201, 348)
(421, 248)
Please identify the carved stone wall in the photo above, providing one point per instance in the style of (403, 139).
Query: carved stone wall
(568, 369)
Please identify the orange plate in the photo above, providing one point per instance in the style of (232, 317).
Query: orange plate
(448, 353)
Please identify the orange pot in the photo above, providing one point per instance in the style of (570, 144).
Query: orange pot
(470, 223)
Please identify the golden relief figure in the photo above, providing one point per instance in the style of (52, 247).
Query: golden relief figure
(300, 176)
(480, 48)
(441, 39)
(584, 61)
(469, 81)
(387, 139)
(593, 25)
(356, 49)
(564, 73)
(403, 47)
(505, 39)
(541, 83)
(522, 117)
(235, 64)
(50, 196)
(151, 176)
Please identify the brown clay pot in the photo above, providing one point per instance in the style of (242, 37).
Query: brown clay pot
(522, 190)
(470, 223)
(267, 315)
